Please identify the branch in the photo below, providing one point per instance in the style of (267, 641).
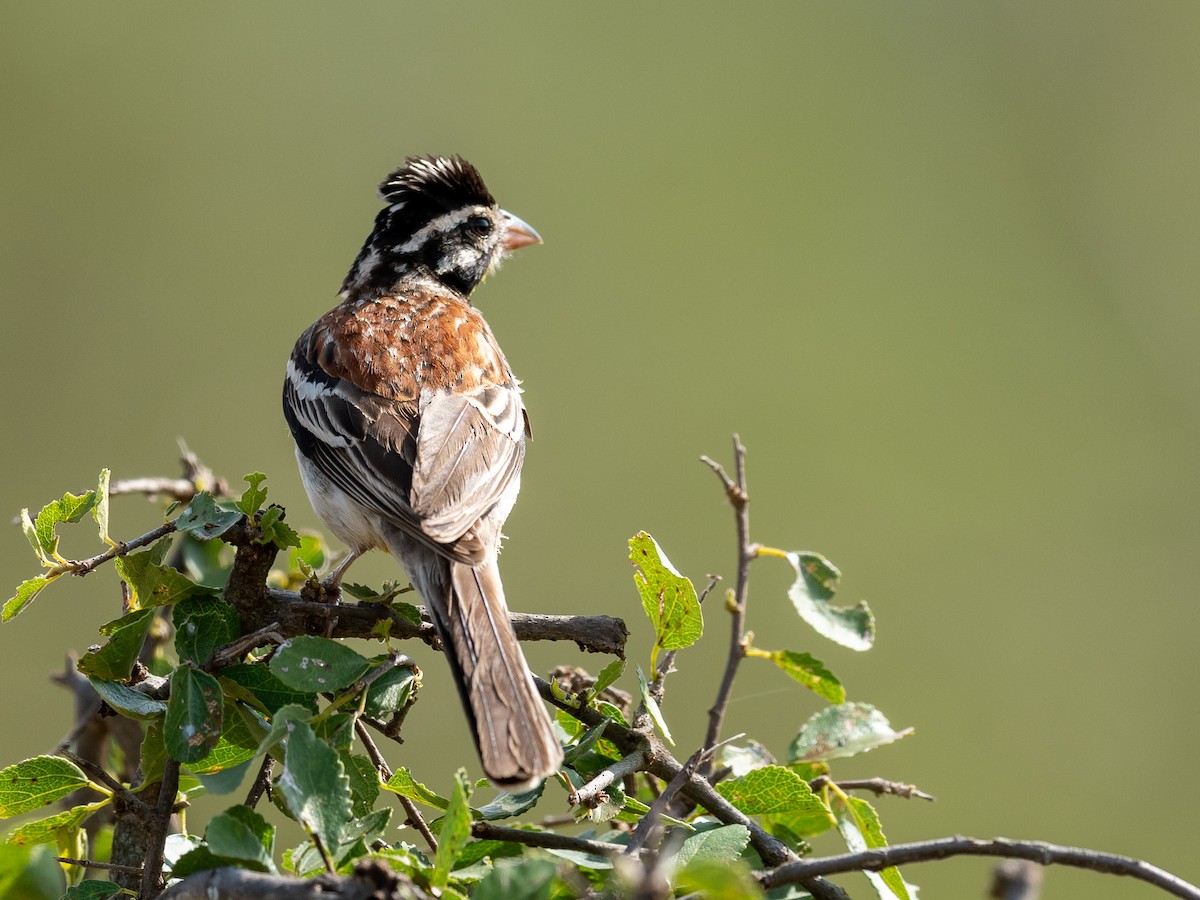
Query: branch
(157, 828)
(593, 634)
(371, 879)
(547, 840)
(739, 499)
(590, 792)
(944, 848)
(877, 785)
(121, 548)
(415, 818)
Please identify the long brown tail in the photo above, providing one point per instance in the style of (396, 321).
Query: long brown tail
(516, 741)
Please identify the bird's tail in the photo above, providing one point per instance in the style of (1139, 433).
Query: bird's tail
(516, 740)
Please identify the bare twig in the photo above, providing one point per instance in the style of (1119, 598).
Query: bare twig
(385, 773)
(589, 794)
(876, 785)
(548, 840)
(93, 864)
(944, 848)
(649, 824)
(236, 649)
(371, 879)
(739, 500)
(262, 781)
(121, 548)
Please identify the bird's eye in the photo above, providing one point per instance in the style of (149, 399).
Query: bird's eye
(479, 225)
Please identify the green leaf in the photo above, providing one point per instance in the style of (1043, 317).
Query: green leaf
(258, 679)
(31, 535)
(198, 859)
(531, 878)
(652, 707)
(224, 781)
(281, 726)
(70, 509)
(154, 584)
(585, 742)
(204, 519)
(774, 789)
(364, 782)
(455, 833)
(100, 508)
(128, 702)
(720, 844)
(390, 692)
(275, 530)
(506, 806)
(195, 715)
(716, 880)
(387, 593)
(315, 785)
(405, 785)
(254, 496)
(27, 590)
(237, 744)
(42, 831)
(242, 835)
(91, 889)
(810, 672)
(202, 624)
(816, 583)
(37, 782)
(114, 661)
(315, 664)
(668, 598)
(608, 676)
(859, 824)
(153, 756)
(837, 732)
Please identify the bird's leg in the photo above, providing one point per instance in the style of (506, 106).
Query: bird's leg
(331, 584)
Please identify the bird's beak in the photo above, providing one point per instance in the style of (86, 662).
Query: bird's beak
(517, 233)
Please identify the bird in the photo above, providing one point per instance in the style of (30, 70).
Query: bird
(410, 436)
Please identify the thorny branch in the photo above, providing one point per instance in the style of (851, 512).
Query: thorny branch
(739, 499)
(943, 848)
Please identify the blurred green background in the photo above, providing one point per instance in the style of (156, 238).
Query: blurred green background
(935, 262)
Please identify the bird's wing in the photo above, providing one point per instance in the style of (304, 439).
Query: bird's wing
(432, 468)
(470, 448)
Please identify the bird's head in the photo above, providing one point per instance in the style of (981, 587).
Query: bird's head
(441, 222)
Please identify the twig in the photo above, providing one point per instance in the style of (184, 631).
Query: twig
(98, 772)
(93, 864)
(739, 500)
(589, 794)
(262, 781)
(121, 548)
(661, 764)
(649, 824)
(157, 830)
(877, 785)
(236, 649)
(944, 848)
(385, 773)
(547, 840)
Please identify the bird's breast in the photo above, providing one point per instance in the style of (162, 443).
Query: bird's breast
(402, 346)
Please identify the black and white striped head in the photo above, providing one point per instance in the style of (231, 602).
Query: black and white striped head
(441, 222)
